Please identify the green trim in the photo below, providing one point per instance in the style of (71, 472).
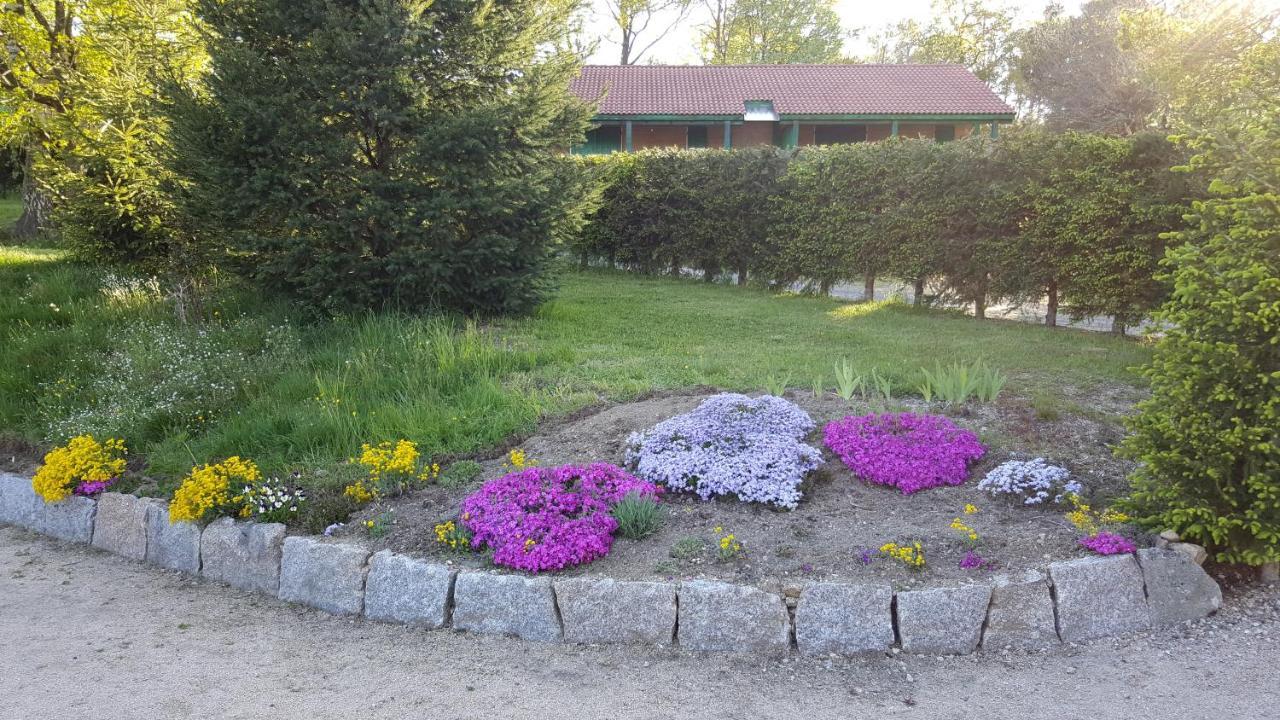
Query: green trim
(905, 118)
(728, 134)
(628, 133)
(893, 129)
(995, 130)
(667, 118)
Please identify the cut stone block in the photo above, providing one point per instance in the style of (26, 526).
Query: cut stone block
(608, 611)
(327, 576)
(403, 590)
(1021, 613)
(17, 500)
(1099, 597)
(172, 545)
(844, 619)
(493, 604)
(121, 525)
(721, 617)
(943, 620)
(243, 555)
(1178, 589)
(70, 519)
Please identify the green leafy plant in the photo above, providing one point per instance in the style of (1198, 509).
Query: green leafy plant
(775, 385)
(688, 548)
(881, 385)
(379, 525)
(958, 382)
(460, 473)
(638, 516)
(819, 389)
(848, 382)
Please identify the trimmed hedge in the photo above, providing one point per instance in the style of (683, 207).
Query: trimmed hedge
(1073, 217)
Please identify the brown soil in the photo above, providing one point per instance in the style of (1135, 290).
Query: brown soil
(840, 520)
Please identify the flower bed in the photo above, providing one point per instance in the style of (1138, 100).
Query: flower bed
(730, 445)
(904, 450)
(550, 518)
(1034, 481)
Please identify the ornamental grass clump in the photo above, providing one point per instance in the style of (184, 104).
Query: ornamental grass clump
(549, 518)
(904, 450)
(1035, 482)
(730, 444)
(83, 466)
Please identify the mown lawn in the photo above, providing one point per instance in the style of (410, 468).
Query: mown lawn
(82, 350)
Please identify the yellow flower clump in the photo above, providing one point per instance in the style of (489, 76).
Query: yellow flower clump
(518, 460)
(447, 534)
(210, 488)
(910, 555)
(960, 527)
(359, 492)
(1089, 521)
(384, 458)
(82, 459)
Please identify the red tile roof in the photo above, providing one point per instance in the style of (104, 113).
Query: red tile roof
(794, 89)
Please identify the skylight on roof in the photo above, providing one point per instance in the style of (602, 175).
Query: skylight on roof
(759, 110)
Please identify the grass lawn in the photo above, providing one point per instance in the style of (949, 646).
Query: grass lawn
(83, 351)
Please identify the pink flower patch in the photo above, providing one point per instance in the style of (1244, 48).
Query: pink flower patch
(904, 450)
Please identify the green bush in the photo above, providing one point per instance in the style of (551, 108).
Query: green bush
(1209, 437)
(385, 153)
(460, 473)
(637, 516)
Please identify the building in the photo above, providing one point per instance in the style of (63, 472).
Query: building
(693, 106)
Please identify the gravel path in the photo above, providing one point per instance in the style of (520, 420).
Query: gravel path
(85, 634)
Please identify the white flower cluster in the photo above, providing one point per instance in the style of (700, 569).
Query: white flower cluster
(271, 501)
(1035, 480)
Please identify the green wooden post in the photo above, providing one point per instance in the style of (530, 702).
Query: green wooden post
(793, 134)
(893, 129)
(995, 130)
(977, 128)
(629, 148)
(728, 135)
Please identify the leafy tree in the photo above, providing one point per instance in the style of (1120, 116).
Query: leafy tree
(1209, 437)
(653, 19)
(966, 32)
(772, 32)
(385, 153)
(80, 80)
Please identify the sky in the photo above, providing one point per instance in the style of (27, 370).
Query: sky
(681, 45)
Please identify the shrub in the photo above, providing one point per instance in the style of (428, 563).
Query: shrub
(1032, 481)
(550, 518)
(904, 450)
(83, 466)
(214, 490)
(1208, 438)
(730, 445)
(637, 516)
(428, 181)
(460, 473)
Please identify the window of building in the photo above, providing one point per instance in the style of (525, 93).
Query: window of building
(760, 110)
(839, 134)
(944, 133)
(697, 137)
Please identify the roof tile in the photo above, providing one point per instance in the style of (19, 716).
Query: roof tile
(794, 89)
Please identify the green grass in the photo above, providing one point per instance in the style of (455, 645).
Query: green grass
(303, 394)
(10, 209)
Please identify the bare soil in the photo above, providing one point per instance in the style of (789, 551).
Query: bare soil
(836, 531)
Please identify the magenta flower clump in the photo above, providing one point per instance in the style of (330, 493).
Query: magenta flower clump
(904, 450)
(550, 518)
(1107, 543)
(91, 488)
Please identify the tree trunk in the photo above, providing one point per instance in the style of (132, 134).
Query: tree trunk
(708, 274)
(1051, 312)
(675, 267)
(35, 204)
(980, 307)
(742, 276)
(582, 260)
(917, 293)
(1119, 326)
(824, 288)
(869, 287)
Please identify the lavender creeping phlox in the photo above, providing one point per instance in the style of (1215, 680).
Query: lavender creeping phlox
(1035, 481)
(730, 444)
(548, 518)
(904, 450)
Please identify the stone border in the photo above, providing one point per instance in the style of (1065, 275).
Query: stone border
(1074, 600)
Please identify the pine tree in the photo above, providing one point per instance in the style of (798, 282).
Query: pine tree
(384, 153)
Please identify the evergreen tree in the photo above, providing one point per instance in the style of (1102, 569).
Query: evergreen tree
(1209, 436)
(385, 152)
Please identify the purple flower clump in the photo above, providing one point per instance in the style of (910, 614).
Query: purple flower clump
(907, 451)
(550, 518)
(974, 561)
(1107, 543)
(90, 488)
(730, 445)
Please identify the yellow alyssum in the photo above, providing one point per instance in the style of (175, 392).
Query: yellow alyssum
(518, 460)
(361, 493)
(447, 534)
(82, 459)
(960, 527)
(1089, 521)
(910, 555)
(384, 458)
(211, 488)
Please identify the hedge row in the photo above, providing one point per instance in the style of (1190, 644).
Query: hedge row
(1073, 217)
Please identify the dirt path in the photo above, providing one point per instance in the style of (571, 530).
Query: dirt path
(85, 634)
